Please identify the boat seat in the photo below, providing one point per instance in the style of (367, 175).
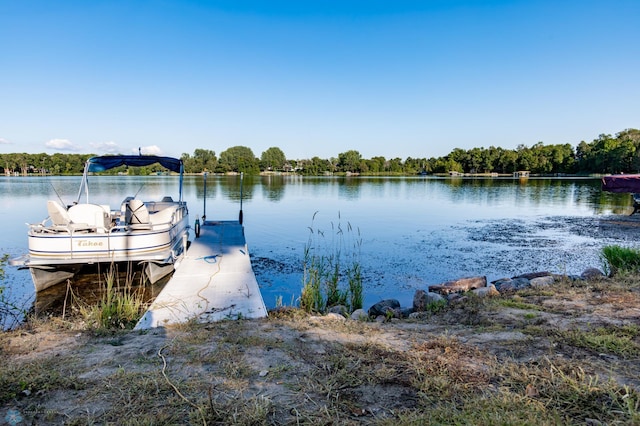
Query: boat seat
(94, 215)
(137, 215)
(158, 206)
(58, 214)
(61, 219)
(163, 218)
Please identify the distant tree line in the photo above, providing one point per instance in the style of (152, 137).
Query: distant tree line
(606, 154)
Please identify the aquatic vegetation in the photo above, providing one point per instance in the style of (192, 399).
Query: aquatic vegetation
(120, 307)
(621, 260)
(332, 272)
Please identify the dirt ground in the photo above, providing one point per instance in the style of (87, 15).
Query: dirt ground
(293, 368)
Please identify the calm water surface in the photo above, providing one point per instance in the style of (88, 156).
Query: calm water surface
(414, 232)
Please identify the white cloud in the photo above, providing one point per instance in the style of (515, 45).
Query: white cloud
(3, 141)
(148, 150)
(62, 145)
(105, 147)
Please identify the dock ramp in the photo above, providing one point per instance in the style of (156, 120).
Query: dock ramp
(214, 281)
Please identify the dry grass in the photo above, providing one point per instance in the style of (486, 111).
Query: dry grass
(566, 354)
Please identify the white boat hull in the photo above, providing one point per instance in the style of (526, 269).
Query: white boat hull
(55, 256)
(118, 245)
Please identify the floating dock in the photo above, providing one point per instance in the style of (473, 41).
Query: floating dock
(214, 281)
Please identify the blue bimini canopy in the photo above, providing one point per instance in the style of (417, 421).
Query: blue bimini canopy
(100, 164)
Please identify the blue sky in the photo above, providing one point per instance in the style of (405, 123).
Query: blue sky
(392, 78)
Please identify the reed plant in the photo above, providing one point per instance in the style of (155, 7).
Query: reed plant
(11, 313)
(354, 272)
(120, 305)
(620, 260)
(332, 272)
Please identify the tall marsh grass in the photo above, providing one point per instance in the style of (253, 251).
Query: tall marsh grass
(120, 305)
(332, 272)
(620, 260)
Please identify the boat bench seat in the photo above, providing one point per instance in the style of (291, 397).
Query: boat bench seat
(77, 218)
(94, 215)
(163, 218)
(157, 206)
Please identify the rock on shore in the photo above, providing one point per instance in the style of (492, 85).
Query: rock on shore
(450, 291)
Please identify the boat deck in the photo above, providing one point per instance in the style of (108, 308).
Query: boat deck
(214, 281)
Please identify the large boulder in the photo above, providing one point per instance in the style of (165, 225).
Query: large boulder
(488, 291)
(422, 299)
(542, 281)
(383, 306)
(459, 286)
(592, 273)
(339, 309)
(506, 285)
(532, 275)
(359, 315)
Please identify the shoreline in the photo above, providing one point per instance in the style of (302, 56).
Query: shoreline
(567, 353)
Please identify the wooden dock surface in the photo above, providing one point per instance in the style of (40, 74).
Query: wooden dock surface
(214, 281)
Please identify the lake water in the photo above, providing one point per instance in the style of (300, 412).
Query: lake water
(414, 231)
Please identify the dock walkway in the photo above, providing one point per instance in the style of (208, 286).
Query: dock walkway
(214, 281)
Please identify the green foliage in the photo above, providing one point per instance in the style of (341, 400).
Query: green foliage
(331, 274)
(436, 306)
(272, 159)
(120, 307)
(203, 160)
(315, 166)
(517, 304)
(238, 159)
(354, 276)
(10, 313)
(621, 260)
(350, 161)
(619, 341)
(59, 164)
(607, 154)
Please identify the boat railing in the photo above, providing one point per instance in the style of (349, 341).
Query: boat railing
(95, 218)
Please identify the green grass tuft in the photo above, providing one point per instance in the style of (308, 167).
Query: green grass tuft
(120, 307)
(621, 260)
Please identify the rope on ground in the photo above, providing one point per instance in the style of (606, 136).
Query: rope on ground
(175, 388)
(209, 259)
(210, 280)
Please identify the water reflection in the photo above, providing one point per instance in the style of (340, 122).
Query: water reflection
(349, 187)
(273, 187)
(203, 184)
